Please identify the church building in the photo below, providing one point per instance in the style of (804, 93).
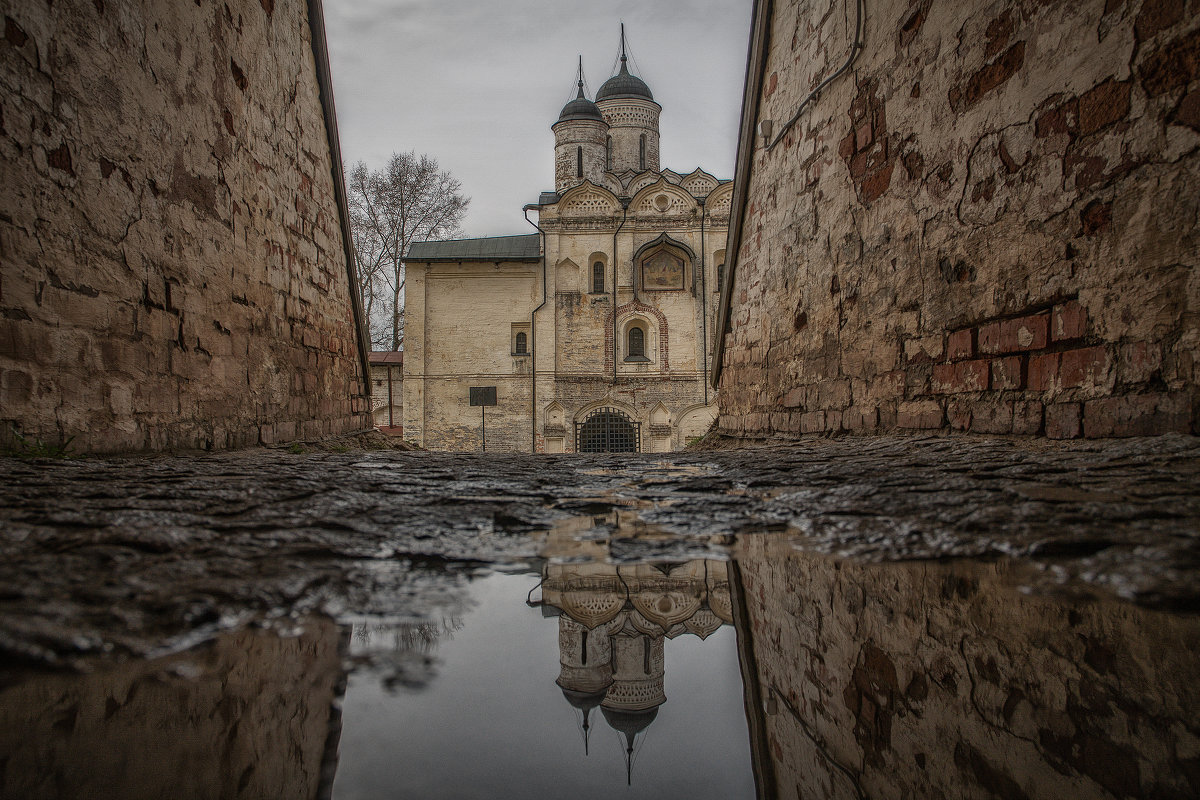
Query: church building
(594, 333)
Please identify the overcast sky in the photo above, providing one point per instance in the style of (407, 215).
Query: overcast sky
(477, 84)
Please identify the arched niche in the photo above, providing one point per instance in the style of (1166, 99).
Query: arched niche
(664, 265)
(566, 276)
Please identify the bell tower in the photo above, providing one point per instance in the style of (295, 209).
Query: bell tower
(628, 106)
(580, 137)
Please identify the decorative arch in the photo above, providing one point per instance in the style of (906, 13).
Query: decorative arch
(663, 197)
(636, 181)
(552, 414)
(590, 273)
(720, 198)
(663, 264)
(699, 183)
(606, 402)
(660, 415)
(650, 312)
(566, 276)
(588, 200)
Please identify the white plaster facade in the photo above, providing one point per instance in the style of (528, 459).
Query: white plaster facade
(615, 294)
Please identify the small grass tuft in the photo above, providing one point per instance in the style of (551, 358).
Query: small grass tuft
(24, 447)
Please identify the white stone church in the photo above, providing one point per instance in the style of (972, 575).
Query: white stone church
(594, 333)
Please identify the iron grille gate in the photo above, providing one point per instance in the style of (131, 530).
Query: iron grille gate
(607, 430)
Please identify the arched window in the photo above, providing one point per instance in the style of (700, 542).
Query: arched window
(522, 344)
(598, 277)
(635, 344)
(608, 154)
(642, 151)
(578, 162)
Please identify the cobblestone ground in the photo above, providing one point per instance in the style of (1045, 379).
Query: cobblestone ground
(131, 556)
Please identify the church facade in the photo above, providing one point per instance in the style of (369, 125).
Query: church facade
(593, 334)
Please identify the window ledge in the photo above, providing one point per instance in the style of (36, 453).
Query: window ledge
(637, 359)
(521, 355)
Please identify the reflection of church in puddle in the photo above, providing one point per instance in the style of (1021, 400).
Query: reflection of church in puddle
(613, 621)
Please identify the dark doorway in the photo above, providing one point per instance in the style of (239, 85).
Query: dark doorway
(607, 430)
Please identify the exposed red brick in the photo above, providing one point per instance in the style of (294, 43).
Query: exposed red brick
(858, 418)
(998, 33)
(794, 398)
(1007, 373)
(1187, 112)
(1096, 218)
(961, 376)
(874, 186)
(912, 25)
(1085, 366)
(60, 159)
(812, 422)
(1156, 15)
(772, 82)
(1103, 105)
(989, 338)
(1063, 421)
(1137, 415)
(1171, 66)
(1068, 321)
(862, 137)
(1062, 118)
(961, 344)
(239, 77)
(1043, 372)
(1015, 335)
(990, 77)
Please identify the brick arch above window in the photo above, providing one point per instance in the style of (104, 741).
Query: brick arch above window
(652, 315)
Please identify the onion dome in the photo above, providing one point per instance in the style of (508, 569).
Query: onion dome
(624, 85)
(580, 108)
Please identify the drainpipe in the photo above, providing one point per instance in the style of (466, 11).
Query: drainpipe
(624, 213)
(703, 300)
(391, 405)
(533, 351)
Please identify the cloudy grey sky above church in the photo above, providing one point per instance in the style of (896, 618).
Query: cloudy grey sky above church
(477, 84)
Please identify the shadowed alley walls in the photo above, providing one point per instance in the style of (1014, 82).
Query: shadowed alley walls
(174, 274)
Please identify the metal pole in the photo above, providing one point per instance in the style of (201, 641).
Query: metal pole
(483, 412)
(391, 405)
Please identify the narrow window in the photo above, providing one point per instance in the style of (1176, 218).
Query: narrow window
(636, 344)
(720, 276)
(608, 154)
(598, 277)
(642, 151)
(578, 162)
(522, 344)
(583, 656)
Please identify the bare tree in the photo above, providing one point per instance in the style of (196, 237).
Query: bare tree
(409, 200)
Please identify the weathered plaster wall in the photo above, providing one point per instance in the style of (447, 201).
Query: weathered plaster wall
(988, 224)
(945, 681)
(173, 268)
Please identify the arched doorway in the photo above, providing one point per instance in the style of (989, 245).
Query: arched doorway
(607, 430)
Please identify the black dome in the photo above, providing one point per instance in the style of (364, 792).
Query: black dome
(580, 108)
(624, 85)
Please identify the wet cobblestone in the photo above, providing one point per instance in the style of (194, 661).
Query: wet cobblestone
(134, 555)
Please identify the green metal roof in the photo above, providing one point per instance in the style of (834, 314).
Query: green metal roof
(491, 248)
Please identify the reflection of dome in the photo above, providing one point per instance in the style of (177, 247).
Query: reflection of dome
(584, 701)
(630, 723)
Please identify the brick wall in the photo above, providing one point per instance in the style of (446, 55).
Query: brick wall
(173, 267)
(989, 223)
(947, 681)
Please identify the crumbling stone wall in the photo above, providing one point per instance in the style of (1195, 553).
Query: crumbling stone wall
(945, 681)
(989, 223)
(173, 267)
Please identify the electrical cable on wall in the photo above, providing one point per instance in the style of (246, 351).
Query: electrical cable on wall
(855, 48)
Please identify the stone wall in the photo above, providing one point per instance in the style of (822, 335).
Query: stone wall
(945, 681)
(988, 224)
(249, 715)
(173, 267)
